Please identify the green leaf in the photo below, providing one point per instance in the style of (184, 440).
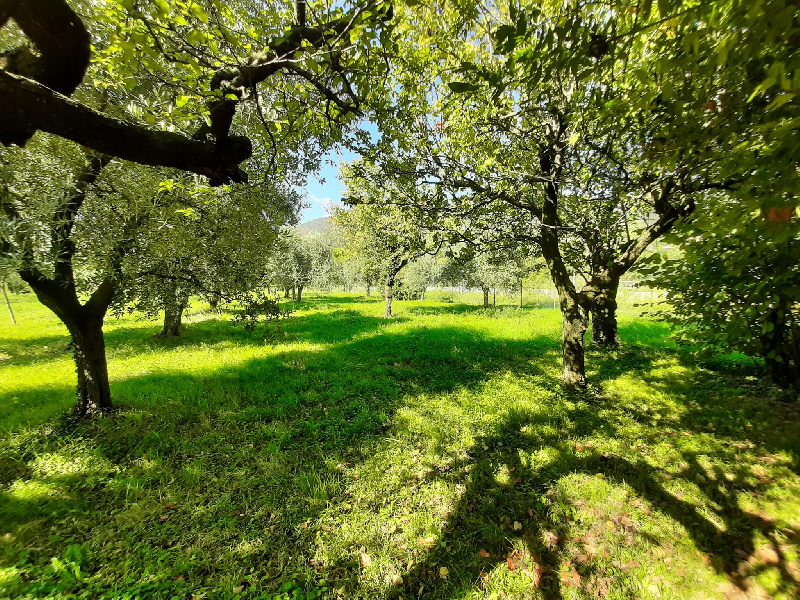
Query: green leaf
(162, 6)
(664, 7)
(460, 87)
(181, 101)
(199, 12)
(780, 101)
(763, 86)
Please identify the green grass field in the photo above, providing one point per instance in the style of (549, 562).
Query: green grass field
(430, 456)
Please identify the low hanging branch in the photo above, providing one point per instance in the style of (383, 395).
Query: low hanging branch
(36, 87)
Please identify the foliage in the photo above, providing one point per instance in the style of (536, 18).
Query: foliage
(739, 289)
(260, 307)
(423, 439)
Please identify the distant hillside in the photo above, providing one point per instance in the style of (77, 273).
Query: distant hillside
(320, 225)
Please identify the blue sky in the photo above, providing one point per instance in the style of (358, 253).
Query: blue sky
(325, 188)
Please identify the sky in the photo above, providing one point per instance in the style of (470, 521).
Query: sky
(325, 188)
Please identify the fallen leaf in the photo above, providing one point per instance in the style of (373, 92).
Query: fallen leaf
(428, 541)
(485, 554)
(238, 589)
(517, 525)
(163, 517)
(325, 528)
(304, 525)
(572, 578)
(626, 522)
(510, 563)
(443, 572)
(366, 561)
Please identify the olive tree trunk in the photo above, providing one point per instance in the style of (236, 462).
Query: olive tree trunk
(391, 277)
(173, 320)
(604, 316)
(485, 297)
(89, 352)
(299, 297)
(174, 305)
(573, 331)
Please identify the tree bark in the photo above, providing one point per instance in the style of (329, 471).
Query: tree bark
(85, 325)
(391, 276)
(485, 297)
(572, 341)
(604, 316)
(89, 351)
(213, 303)
(299, 293)
(173, 320)
(174, 305)
(286, 292)
(368, 289)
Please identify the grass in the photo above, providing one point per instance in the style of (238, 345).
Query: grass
(430, 456)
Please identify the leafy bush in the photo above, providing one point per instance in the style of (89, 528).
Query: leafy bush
(260, 307)
(739, 290)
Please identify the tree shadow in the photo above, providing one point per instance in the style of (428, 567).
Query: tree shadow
(279, 427)
(500, 519)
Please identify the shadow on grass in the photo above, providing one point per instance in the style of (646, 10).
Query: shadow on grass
(479, 535)
(277, 428)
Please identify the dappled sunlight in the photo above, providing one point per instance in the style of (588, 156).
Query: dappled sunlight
(376, 459)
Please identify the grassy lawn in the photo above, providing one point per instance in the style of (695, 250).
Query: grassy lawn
(431, 456)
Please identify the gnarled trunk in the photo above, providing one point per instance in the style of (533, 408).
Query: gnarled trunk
(173, 315)
(573, 330)
(89, 351)
(299, 293)
(286, 292)
(174, 305)
(391, 277)
(387, 311)
(368, 289)
(604, 316)
(485, 297)
(213, 303)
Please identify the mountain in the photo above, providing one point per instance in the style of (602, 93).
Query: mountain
(320, 225)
